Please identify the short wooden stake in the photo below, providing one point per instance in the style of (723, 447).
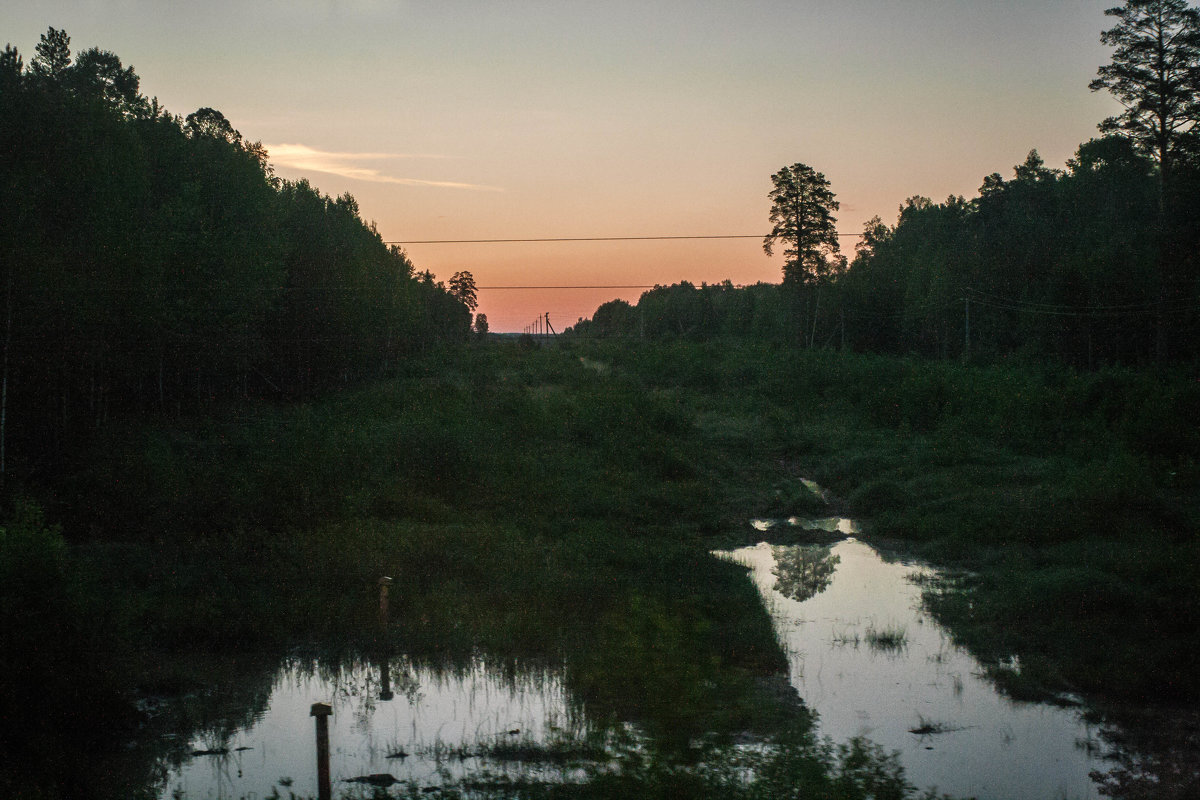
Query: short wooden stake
(384, 583)
(322, 711)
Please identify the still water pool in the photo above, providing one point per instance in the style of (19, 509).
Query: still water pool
(861, 652)
(420, 726)
(865, 655)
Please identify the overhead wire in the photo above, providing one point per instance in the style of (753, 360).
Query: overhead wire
(592, 239)
(1166, 307)
(977, 293)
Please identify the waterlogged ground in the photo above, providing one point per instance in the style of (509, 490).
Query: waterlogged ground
(872, 663)
(422, 727)
(861, 652)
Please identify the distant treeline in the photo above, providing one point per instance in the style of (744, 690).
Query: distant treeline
(153, 263)
(1079, 265)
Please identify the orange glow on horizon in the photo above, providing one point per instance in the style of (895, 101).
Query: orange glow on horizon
(536, 266)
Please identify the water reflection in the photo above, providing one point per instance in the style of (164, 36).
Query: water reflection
(418, 725)
(803, 571)
(385, 679)
(867, 658)
(834, 525)
(857, 646)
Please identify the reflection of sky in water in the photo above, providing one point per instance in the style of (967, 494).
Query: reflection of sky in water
(428, 714)
(995, 748)
(860, 685)
(840, 525)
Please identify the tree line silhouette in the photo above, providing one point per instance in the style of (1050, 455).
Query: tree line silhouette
(1093, 264)
(154, 263)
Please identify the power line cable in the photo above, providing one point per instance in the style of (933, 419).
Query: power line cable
(591, 239)
(631, 286)
(905, 313)
(1164, 308)
(981, 295)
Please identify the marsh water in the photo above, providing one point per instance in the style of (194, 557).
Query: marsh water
(420, 726)
(861, 652)
(866, 656)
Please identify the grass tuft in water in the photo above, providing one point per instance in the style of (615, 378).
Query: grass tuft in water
(928, 727)
(890, 639)
(846, 637)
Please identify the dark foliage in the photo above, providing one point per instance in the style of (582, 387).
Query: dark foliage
(154, 264)
(1069, 265)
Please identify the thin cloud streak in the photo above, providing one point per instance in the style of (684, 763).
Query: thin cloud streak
(302, 157)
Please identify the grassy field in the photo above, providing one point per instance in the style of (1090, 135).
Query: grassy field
(561, 502)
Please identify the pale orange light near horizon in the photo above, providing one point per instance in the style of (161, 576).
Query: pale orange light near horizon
(595, 273)
(451, 121)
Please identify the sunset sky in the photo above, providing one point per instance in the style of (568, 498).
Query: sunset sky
(489, 120)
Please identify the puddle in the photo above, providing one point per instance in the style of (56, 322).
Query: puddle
(421, 727)
(839, 525)
(866, 657)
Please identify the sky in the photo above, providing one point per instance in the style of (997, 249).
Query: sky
(453, 120)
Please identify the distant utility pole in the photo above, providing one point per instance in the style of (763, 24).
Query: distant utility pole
(967, 328)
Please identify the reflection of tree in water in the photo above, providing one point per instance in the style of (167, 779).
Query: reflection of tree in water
(1154, 753)
(803, 571)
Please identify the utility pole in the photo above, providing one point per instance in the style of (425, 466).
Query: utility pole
(967, 328)
(4, 384)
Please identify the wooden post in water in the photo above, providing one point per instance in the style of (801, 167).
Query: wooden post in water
(385, 679)
(322, 711)
(384, 583)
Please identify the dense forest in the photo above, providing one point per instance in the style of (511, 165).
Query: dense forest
(1069, 265)
(153, 263)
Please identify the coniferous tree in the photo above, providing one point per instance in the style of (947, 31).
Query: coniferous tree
(1154, 74)
(53, 55)
(462, 288)
(802, 207)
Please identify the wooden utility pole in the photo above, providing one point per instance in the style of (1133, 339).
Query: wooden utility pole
(4, 388)
(967, 329)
